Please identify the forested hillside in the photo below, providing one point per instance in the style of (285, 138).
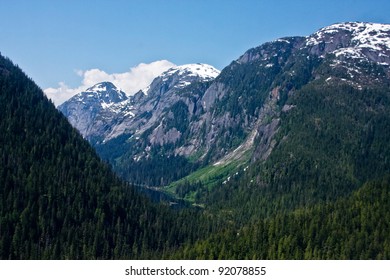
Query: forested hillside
(58, 200)
(356, 227)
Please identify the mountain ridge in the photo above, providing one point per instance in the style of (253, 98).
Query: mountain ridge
(235, 117)
(126, 108)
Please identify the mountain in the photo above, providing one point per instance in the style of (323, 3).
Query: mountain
(232, 121)
(316, 184)
(93, 110)
(363, 41)
(58, 200)
(327, 103)
(152, 104)
(104, 112)
(134, 128)
(208, 130)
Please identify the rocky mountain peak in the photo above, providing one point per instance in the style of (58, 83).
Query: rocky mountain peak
(91, 110)
(204, 71)
(179, 77)
(104, 112)
(103, 86)
(105, 92)
(360, 40)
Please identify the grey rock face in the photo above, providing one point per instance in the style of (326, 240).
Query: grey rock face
(215, 92)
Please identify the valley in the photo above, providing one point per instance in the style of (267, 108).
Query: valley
(283, 154)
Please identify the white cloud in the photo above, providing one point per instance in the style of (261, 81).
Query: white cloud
(136, 78)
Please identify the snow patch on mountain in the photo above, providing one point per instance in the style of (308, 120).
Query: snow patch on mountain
(105, 92)
(97, 88)
(204, 71)
(179, 77)
(354, 40)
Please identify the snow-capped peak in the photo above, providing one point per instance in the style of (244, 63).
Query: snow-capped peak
(101, 87)
(353, 39)
(371, 35)
(179, 77)
(105, 93)
(97, 88)
(204, 71)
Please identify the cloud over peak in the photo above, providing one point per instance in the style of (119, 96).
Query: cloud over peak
(138, 77)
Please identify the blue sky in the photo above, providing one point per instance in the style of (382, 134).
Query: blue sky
(57, 41)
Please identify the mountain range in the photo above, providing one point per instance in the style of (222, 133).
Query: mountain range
(197, 117)
(284, 154)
